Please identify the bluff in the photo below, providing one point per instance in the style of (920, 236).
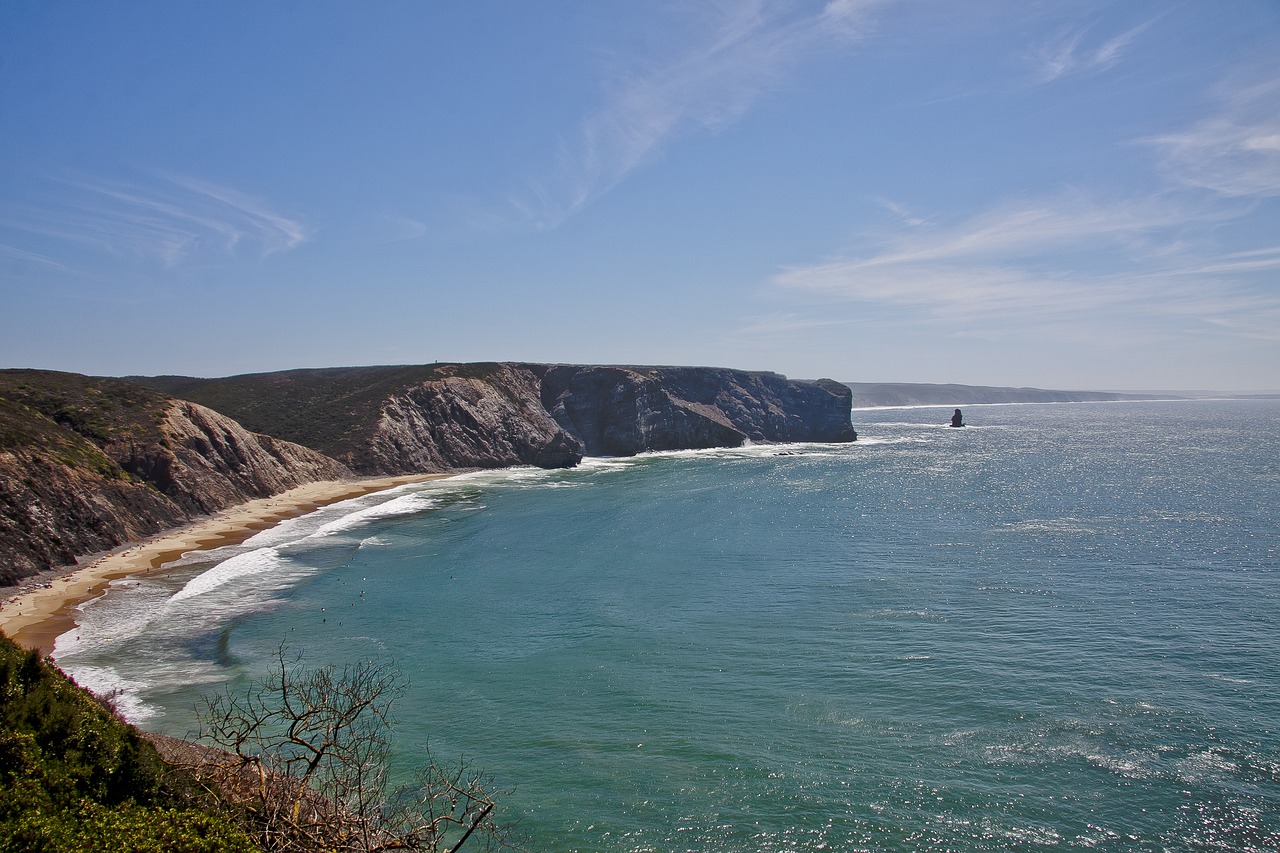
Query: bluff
(621, 411)
(446, 417)
(87, 464)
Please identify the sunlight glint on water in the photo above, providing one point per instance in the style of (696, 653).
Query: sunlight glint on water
(1055, 628)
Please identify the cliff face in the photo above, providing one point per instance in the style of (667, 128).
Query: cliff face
(51, 511)
(621, 411)
(206, 462)
(87, 464)
(443, 417)
(468, 422)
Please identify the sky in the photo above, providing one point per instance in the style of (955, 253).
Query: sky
(1051, 193)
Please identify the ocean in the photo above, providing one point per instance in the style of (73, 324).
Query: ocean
(1055, 628)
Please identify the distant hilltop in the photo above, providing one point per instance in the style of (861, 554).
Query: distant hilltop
(871, 394)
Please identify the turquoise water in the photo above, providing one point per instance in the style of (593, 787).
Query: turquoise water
(1053, 629)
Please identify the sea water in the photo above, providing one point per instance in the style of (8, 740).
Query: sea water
(1055, 628)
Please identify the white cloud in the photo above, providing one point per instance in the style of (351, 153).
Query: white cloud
(14, 253)
(1072, 53)
(743, 52)
(1059, 263)
(167, 220)
(1233, 153)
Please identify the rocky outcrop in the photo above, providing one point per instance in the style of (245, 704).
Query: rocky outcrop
(459, 422)
(206, 462)
(447, 417)
(51, 511)
(621, 411)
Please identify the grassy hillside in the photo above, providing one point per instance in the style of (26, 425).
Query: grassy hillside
(104, 411)
(23, 428)
(74, 777)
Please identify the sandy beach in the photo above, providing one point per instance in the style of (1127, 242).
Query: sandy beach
(37, 617)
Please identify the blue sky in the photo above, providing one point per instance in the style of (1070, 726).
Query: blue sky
(1055, 194)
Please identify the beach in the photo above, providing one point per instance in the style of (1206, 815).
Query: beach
(35, 616)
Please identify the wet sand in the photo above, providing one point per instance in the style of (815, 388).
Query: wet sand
(36, 617)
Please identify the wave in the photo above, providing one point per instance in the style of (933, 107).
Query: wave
(239, 568)
(107, 683)
(410, 504)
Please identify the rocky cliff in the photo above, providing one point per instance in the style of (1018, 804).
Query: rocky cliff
(621, 411)
(443, 417)
(88, 463)
(460, 421)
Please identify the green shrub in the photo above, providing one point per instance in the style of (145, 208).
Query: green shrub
(75, 777)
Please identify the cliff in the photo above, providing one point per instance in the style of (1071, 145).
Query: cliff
(89, 463)
(445, 417)
(621, 411)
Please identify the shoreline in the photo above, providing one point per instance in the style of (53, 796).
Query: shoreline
(36, 617)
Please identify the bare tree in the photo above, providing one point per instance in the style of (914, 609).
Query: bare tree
(304, 761)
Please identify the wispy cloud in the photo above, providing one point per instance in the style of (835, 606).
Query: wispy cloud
(784, 325)
(167, 219)
(1075, 52)
(14, 253)
(1064, 260)
(743, 51)
(1235, 152)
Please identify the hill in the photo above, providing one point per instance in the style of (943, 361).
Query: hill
(873, 394)
(444, 417)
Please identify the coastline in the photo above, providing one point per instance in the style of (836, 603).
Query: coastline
(35, 618)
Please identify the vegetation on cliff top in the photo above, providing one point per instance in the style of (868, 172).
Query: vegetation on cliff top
(103, 411)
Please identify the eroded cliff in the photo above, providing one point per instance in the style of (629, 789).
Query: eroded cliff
(621, 411)
(89, 463)
(445, 417)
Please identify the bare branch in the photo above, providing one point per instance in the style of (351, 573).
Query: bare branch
(305, 757)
